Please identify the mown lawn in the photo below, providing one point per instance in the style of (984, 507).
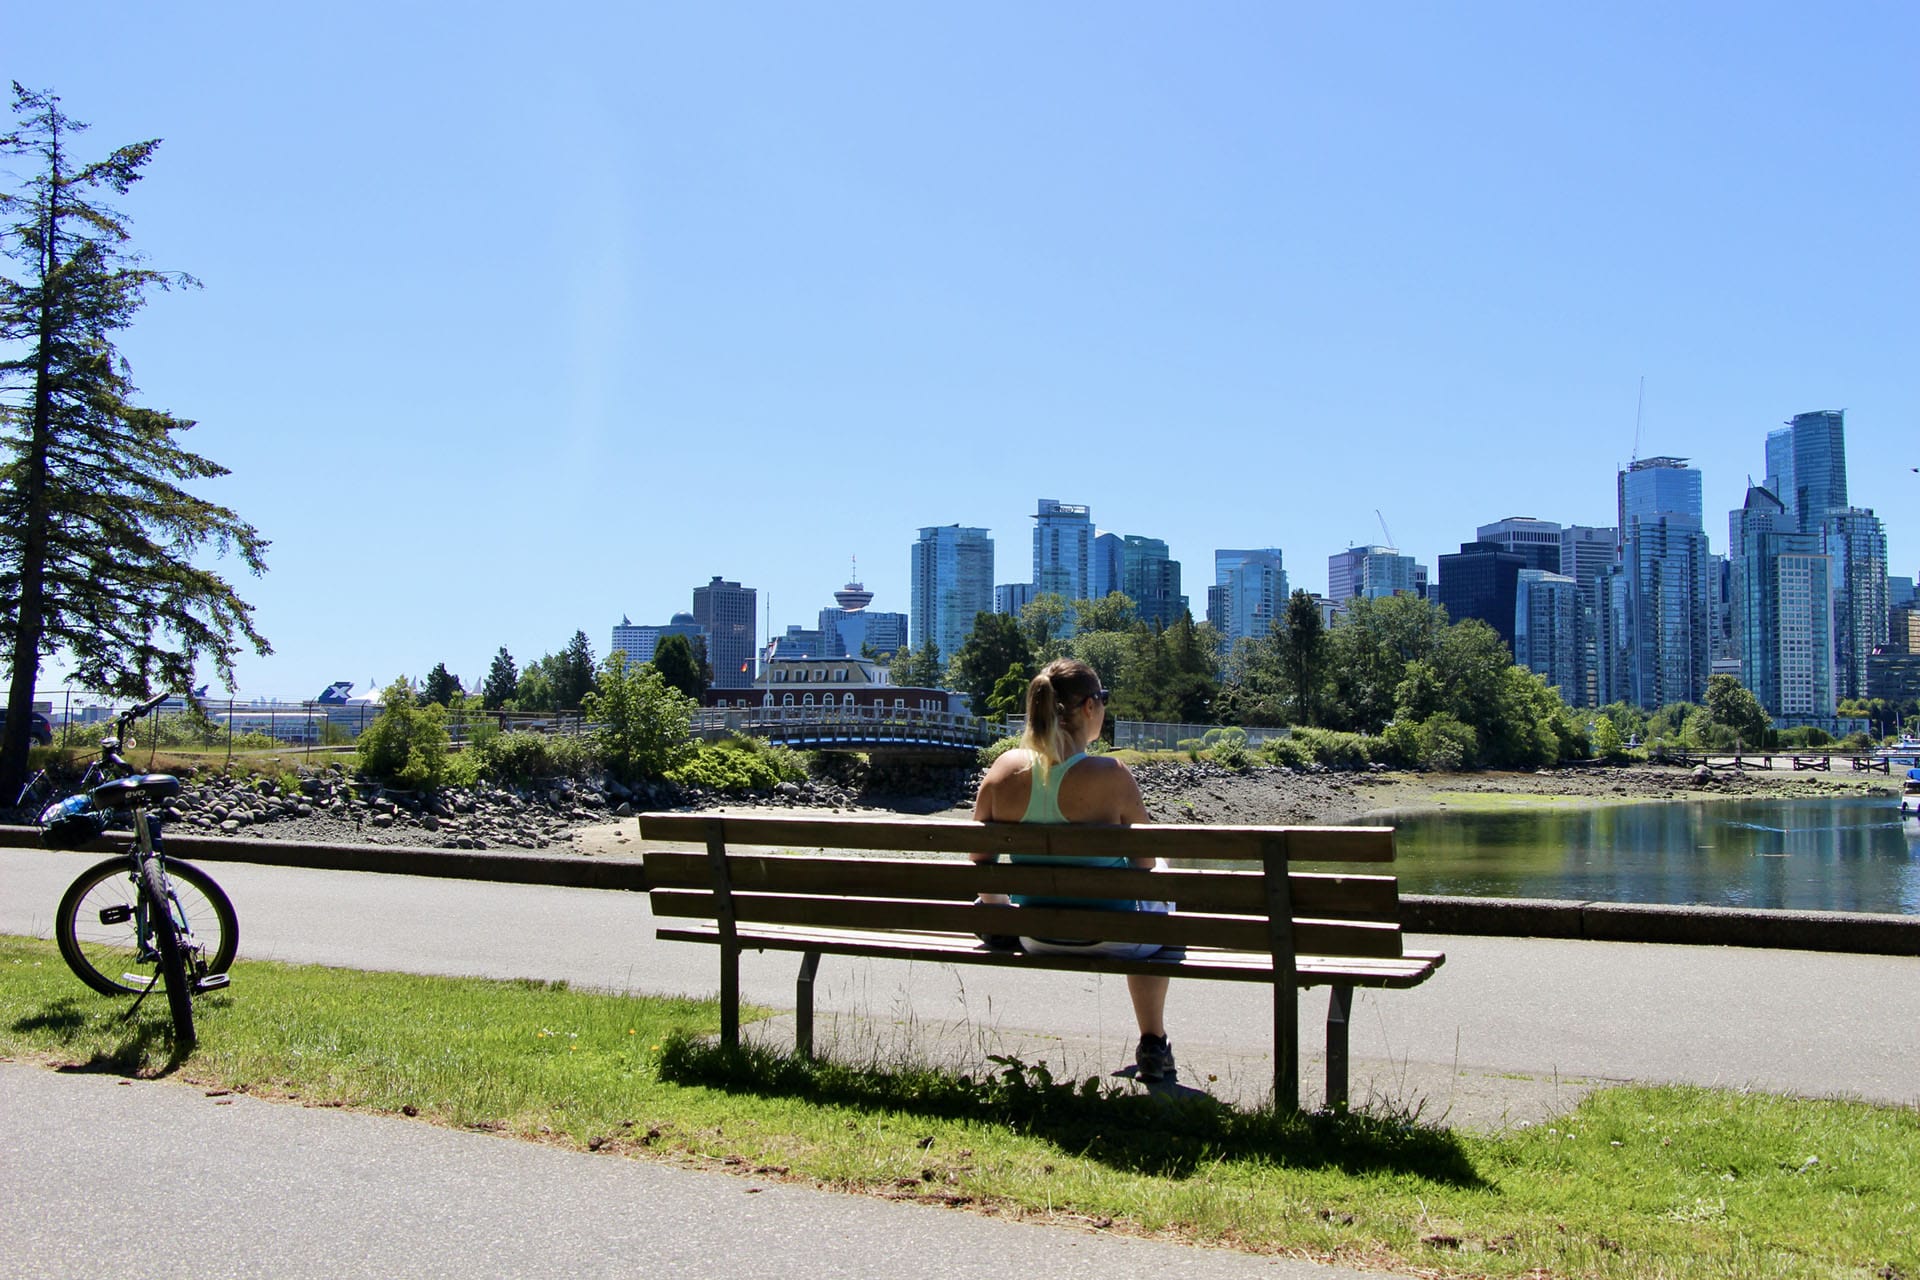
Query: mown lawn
(1638, 1182)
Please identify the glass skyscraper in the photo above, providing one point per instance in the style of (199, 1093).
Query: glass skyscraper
(1783, 617)
(1151, 576)
(1816, 476)
(952, 581)
(1252, 589)
(1063, 549)
(1661, 601)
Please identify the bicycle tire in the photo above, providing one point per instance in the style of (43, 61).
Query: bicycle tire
(173, 955)
(100, 955)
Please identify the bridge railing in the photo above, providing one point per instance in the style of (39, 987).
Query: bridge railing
(803, 725)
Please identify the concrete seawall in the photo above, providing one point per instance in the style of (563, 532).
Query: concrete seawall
(1859, 933)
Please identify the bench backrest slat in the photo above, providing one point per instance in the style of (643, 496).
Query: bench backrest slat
(1311, 937)
(1229, 892)
(933, 835)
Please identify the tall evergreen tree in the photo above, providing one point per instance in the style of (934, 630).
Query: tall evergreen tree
(441, 686)
(679, 666)
(1302, 644)
(503, 681)
(995, 644)
(577, 674)
(920, 668)
(100, 547)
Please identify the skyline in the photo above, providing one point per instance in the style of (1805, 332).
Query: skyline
(510, 330)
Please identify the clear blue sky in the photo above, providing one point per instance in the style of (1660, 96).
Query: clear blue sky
(519, 319)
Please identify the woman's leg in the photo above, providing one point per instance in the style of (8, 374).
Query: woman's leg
(1149, 1003)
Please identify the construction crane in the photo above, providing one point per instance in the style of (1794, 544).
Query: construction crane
(1383, 529)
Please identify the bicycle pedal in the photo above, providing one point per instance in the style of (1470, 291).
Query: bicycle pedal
(116, 915)
(211, 982)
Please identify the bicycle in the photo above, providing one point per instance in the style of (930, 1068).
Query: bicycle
(139, 908)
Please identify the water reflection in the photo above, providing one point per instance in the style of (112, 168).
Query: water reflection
(1826, 855)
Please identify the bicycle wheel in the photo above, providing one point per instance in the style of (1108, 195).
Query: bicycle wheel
(166, 941)
(108, 956)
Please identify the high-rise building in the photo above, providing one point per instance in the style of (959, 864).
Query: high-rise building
(1063, 549)
(725, 609)
(1251, 587)
(639, 643)
(1109, 565)
(952, 582)
(1151, 577)
(1662, 599)
(1783, 617)
(1546, 610)
(1372, 572)
(1586, 554)
(1481, 581)
(1807, 474)
(1816, 475)
(1012, 597)
(1857, 542)
(1536, 541)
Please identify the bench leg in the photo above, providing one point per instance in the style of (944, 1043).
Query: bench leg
(1286, 1045)
(730, 996)
(1339, 1012)
(803, 1004)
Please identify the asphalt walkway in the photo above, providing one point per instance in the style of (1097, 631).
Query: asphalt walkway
(1510, 1031)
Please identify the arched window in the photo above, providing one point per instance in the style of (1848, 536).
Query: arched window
(807, 701)
(786, 699)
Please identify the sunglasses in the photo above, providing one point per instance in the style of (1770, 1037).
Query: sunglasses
(1099, 697)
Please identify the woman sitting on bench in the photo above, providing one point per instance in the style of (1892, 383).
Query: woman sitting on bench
(1052, 779)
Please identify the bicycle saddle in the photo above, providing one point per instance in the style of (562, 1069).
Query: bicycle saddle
(142, 787)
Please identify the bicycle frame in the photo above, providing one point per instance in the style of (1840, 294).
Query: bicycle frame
(134, 909)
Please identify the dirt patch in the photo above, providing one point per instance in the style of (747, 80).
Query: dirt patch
(1208, 793)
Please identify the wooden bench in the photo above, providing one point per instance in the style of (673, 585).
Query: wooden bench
(1262, 922)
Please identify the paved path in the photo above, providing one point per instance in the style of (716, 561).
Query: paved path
(1509, 1030)
(104, 1179)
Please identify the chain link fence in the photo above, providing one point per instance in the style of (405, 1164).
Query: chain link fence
(79, 719)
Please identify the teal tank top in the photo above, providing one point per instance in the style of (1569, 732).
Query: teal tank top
(1043, 806)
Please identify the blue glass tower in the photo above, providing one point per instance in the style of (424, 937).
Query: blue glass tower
(1662, 598)
(952, 581)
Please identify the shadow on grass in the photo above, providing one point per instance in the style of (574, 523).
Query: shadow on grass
(146, 1042)
(1154, 1134)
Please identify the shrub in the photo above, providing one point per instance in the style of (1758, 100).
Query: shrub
(408, 743)
(1335, 750)
(1231, 753)
(1286, 753)
(643, 724)
(997, 748)
(1399, 743)
(738, 764)
(1447, 743)
(529, 757)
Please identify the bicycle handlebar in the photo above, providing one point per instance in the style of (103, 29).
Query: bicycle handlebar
(123, 723)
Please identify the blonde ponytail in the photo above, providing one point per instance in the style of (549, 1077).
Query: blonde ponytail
(1056, 703)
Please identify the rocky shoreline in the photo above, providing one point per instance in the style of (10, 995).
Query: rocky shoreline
(328, 806)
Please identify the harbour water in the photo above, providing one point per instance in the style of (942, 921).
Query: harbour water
(1822, 855)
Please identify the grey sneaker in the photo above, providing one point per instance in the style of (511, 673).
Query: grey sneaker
(1153, 1060)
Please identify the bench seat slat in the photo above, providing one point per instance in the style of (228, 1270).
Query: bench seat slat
(1319, 937)
(1227, 892)
(1195, 841)
(1408, 971)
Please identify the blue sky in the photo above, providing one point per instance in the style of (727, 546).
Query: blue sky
(518, 321)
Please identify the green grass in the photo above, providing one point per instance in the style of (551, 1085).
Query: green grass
(1635, 1182)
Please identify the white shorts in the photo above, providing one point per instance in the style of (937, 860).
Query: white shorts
(1119, 950)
